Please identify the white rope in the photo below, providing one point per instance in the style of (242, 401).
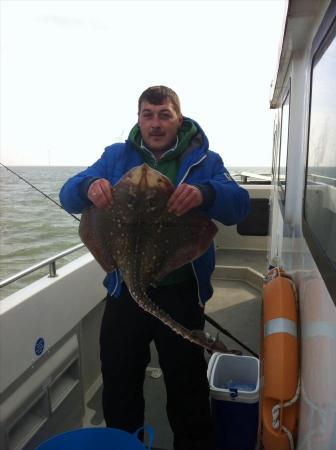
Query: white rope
(276, 416)
(290, 437)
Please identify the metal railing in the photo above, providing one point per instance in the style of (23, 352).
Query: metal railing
(51, 262)
(251, 178)
(255, 176)
(322, 179)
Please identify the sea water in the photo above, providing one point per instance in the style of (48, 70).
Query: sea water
(32, 228)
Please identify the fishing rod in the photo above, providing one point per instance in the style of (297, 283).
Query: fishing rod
(226, 333)
(38, 190)
(207, 318)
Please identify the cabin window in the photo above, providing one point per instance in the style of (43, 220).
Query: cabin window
(275, 147)
(320, 191)
(283, 147)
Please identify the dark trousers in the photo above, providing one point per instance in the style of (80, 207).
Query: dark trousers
(126, 333)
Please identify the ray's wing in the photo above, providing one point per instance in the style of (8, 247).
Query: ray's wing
(91, 233)
(183, 239)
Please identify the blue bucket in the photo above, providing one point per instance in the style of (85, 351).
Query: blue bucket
(98, 438)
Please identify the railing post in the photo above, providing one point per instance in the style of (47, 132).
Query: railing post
(52, 269)
(50, 262)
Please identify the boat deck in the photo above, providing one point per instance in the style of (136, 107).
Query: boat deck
(235, 305)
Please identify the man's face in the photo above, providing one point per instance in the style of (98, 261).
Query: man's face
(159, 125)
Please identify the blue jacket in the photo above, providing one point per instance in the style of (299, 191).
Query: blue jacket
(198, 166)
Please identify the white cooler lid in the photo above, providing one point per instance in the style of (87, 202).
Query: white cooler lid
(238, 371)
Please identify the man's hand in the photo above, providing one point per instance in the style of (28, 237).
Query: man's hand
(100, 193)
(184, 198)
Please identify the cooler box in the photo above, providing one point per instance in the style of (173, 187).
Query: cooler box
(234, 395)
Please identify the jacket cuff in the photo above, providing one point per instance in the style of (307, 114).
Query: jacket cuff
(208, 194)
(84, 187)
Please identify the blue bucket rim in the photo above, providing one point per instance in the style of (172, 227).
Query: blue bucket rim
(146, 428)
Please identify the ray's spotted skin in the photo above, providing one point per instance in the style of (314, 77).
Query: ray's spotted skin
(141, 238)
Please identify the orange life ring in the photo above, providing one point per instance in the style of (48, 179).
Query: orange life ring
(279, 362)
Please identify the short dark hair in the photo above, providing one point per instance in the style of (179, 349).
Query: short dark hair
(156, 95)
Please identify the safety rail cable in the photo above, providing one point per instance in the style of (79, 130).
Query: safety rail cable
(51, 262)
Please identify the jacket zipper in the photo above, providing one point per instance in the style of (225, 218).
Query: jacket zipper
(198, 288)
(192, 264)
(190, 167)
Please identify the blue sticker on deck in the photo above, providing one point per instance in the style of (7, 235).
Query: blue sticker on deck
(39, 346)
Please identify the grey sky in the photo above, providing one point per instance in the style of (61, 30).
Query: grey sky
(72, 71)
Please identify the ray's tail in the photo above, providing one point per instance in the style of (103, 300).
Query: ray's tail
(195, 336)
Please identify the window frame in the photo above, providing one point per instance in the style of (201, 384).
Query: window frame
(325, 35)
(282, 187)
(276, 146)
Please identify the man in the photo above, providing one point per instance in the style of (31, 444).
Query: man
(177, 147)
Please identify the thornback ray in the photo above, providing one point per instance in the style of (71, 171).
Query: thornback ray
(140, 237)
